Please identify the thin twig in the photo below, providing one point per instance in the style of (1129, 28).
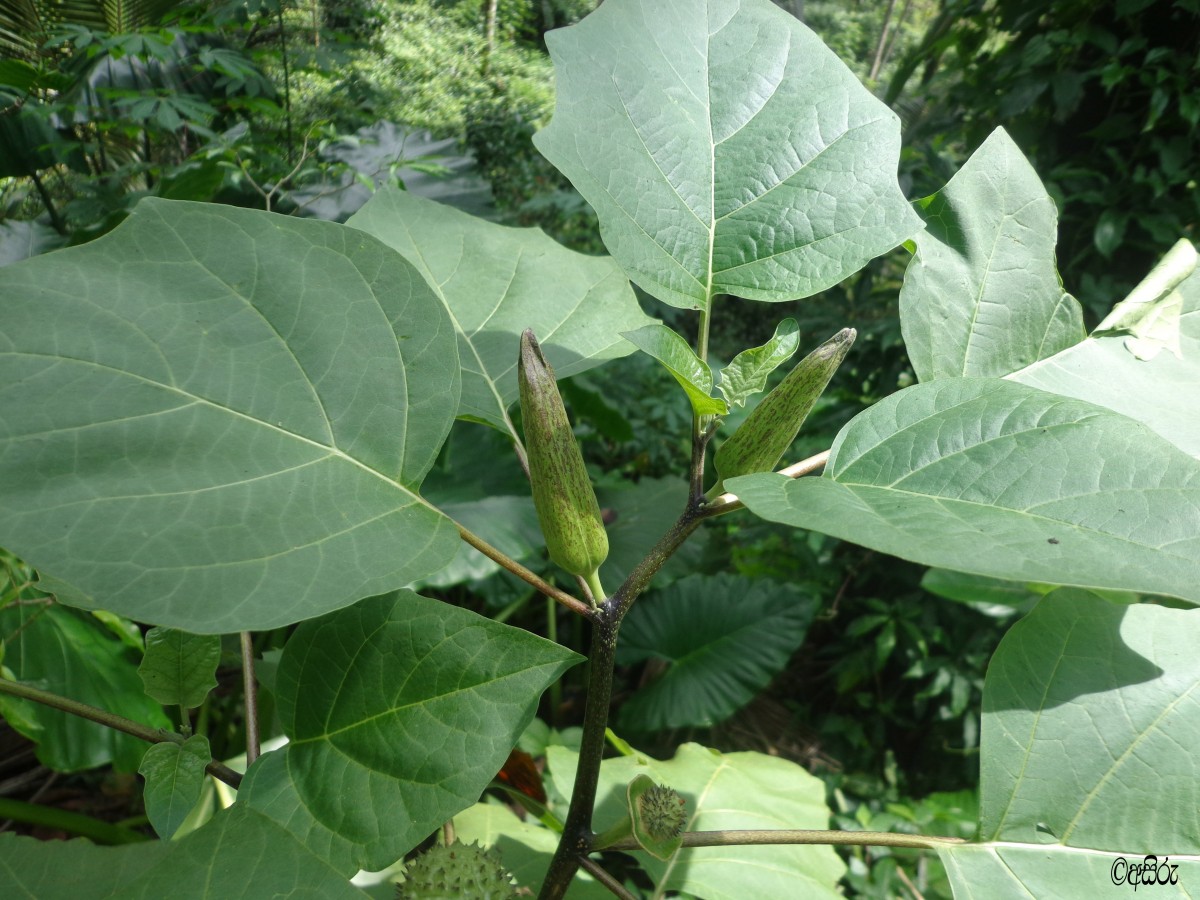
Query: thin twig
(729, 502)
(732, 838)
(506, 562)
(112, 720)
(250, 689)
(598, 872)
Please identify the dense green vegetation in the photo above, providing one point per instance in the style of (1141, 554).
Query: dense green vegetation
(867, 671)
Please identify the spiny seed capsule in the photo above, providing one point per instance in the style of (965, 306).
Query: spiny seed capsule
(562, 492)
(770, 429)
(662, 811)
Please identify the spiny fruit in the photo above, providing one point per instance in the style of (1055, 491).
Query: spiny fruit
(770, 429)
(662, 812)
(562, 492)
(456, 872)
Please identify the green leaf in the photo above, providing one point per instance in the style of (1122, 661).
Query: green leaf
(713, 158)
(219, 418)
(723, 791)
(1011, 872)
(724, 638)
(410, 706)
(747, 374)
(692, 373)
(239, 855)
(179, 668)
(994, 478)
(174, 775)
(982, 296)
(268, 788)
(990, 596)
(1089, 716)
(70, 653)
(496, 282)
(1151, 313)
(1160, 392)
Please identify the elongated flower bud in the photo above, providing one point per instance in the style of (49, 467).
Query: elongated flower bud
(562, 492)
(770, 429)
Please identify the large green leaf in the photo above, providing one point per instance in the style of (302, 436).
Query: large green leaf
(239, 855)
(72, 654)
(217, 418)
(724, 638)
(723, 791)
(1162, 392)
(1091, 711)
(410, 707)
(268, 788)
(737, 156)
(994, 478)
(982, 295)
(498, 281)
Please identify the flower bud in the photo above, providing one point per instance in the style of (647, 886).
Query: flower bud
(562, 492)
(770, 429)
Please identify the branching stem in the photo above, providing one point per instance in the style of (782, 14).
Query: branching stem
(112, 720)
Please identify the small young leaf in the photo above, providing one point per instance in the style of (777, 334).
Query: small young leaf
(174, 775)
(692, 373)
(179, 668)
(748, 372)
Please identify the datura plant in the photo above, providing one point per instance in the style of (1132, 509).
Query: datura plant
(221, 421)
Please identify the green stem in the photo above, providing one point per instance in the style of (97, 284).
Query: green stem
(726, 503)
(70, 822)
(734, 838)
(556, 686)
(112, 720)
(506, 562)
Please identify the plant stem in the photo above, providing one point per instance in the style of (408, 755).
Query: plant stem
(503, 560)
(785, 836)
(577, 839)
(71, 822)
(112, 720)
(729, 502)
(598, 872)
(250, 689)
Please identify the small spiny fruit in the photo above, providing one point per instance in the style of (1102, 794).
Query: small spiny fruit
(456, 872)
(562, 492)
(770, 429)
(662, 812)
